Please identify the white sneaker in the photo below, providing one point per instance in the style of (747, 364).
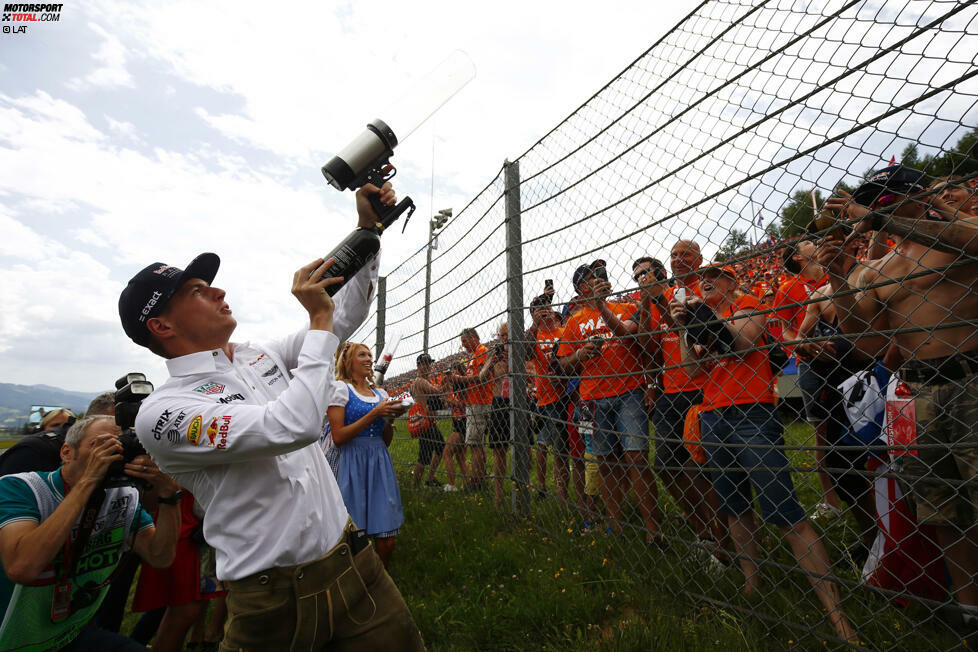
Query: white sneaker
(825, 512)
(707, 560)
(449, 488)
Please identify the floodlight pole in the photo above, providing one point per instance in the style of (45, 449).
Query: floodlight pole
(434, 224)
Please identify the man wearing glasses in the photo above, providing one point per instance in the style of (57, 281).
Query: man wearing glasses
(600, 344)
(922, 296)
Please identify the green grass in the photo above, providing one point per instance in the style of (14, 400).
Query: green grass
(477, 580)
(477, 577)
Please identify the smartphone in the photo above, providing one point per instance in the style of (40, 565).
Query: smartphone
(659, 270)
(679, 294)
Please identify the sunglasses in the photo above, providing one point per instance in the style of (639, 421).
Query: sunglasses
(640, 274)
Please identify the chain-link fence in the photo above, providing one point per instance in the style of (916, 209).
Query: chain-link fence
(783, 409)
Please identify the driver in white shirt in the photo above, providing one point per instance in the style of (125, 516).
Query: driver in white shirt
(238, 424)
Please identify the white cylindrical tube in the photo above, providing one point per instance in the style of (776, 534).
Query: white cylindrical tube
(429, 94)
(387, 355)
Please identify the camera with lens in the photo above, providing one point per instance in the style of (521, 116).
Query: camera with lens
(130, 390)
(703, 327)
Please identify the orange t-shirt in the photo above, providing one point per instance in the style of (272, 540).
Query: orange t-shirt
(736, 380)
(676, 379)
(619, 360)
(478, 394)
(547, 393)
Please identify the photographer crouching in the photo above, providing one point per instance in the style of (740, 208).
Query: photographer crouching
(61, 537)
(238, 425)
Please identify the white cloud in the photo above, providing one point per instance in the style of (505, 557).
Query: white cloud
(112, 70)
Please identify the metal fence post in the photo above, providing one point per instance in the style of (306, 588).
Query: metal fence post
(519, 415)
(381, 315)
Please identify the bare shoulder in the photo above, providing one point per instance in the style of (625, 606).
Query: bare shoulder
(868, 271)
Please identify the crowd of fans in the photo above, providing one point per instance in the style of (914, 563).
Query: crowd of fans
(868, 303)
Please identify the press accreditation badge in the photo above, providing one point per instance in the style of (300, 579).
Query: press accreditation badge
(61, 602)
(901, 418)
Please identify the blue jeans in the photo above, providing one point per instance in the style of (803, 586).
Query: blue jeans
(553, 427)
(669, 418)
(741, 443)
(621, 423)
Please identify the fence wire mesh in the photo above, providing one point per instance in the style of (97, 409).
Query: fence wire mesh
(778, 418)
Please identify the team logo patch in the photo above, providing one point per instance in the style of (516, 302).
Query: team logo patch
(267, 369)
(209, 388)
(193, 430)
(212, 432)
(218, 431)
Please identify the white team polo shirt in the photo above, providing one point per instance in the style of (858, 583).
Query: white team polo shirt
(242, 436)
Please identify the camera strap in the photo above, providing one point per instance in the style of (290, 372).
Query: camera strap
(61, 601)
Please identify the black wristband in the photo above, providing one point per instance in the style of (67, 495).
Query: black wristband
(172, 500)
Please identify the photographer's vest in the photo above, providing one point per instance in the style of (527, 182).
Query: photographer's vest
(27, 610)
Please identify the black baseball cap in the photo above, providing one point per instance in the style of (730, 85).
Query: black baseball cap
(895, 178)
(584, 271)
(148, 292)
(424, 358)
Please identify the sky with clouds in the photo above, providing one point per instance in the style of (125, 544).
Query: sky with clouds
(139, 132)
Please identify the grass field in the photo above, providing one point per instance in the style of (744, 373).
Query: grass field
(479, 578)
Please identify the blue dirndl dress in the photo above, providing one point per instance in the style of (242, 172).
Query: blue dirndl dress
(365, 473)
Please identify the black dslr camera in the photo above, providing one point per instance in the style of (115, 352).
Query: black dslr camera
(703, 327)
(130, 390)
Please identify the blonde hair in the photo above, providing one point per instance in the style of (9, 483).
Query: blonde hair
(54, 414)
(345, 356)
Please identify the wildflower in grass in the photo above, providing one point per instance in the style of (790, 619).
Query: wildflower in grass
(563, 590)
(604, 561)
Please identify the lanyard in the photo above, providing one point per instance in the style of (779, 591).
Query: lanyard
(61, 601)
